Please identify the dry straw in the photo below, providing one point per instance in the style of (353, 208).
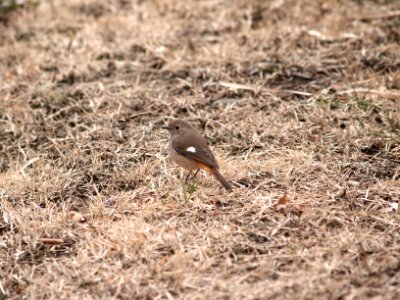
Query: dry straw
(299, 101)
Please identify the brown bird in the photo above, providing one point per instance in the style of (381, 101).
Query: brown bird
(190, 150)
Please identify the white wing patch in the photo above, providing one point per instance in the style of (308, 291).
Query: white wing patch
(191, 149)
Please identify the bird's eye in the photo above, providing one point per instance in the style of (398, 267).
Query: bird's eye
(177, 127)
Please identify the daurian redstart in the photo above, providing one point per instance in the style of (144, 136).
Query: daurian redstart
(190, 150)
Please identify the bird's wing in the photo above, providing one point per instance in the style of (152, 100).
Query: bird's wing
(195, 149)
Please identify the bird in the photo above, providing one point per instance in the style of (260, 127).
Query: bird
(189, 149)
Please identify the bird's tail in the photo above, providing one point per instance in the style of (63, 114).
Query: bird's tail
(221, 179)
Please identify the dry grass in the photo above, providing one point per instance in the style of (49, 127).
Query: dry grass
(294, 98)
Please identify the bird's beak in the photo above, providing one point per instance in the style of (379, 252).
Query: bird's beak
(164, 127)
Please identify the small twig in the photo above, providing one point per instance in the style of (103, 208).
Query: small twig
(384, 93)
(51, 241)
(239, 86)
(374, 16)
(133, 116)
(298, 93)
(2, 289)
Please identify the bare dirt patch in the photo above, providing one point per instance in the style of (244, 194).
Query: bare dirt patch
(296, 99)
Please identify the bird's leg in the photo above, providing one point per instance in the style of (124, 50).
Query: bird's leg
(187, 177)
(194, 176)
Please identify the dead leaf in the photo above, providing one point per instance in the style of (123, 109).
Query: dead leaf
(281, 201)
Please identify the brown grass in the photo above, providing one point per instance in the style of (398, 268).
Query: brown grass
(302, 99)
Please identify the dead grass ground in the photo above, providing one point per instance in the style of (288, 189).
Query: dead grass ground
(294, 98)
